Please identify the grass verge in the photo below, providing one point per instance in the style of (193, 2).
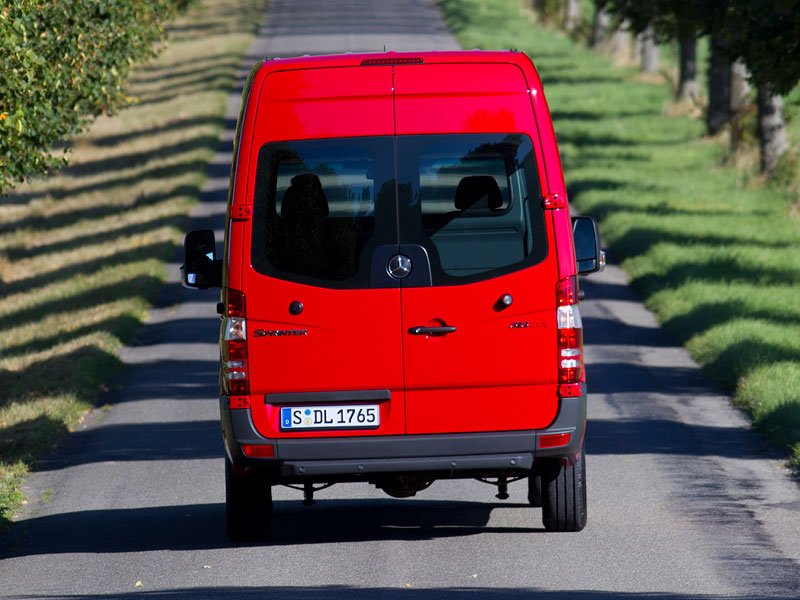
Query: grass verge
(82, 253)
(714, 250)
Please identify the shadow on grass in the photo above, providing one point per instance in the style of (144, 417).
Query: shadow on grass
(592, 116)
(123, 327)
(705, 316)
(112, 182)
(136, 159)
(782, 423)
(639, 240)
(216, 79)
(155, 74)
(173, 126)
(718, 269)
(158, 250)
(83, 368)
(737, 359)
(82, 240)
(142, 285)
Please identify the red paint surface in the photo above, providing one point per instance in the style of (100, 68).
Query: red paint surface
(486, 375)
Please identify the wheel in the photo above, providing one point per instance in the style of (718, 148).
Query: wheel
(564, 495)
(535, 487)
(248, 504)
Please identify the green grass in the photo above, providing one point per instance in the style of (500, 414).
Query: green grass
(82, 253)
(713, 248)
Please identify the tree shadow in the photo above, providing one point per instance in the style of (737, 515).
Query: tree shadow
(722, 269)
(707, 315)
(143, 285)
(326, 592)
(87, 366)
(201, 526)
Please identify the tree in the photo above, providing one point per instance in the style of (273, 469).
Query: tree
(766, 36)
(601, 25)
(688, 88)
(572, 16)
(650, 56)
(64, 63)
(719, 86)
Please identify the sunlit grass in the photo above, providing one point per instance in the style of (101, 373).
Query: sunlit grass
(82, 254)
(714, 249)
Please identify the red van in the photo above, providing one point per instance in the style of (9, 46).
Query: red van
(399, 284)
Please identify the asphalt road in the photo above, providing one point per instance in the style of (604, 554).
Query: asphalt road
(684, 501)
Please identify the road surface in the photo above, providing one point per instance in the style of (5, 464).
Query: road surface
(684, 500)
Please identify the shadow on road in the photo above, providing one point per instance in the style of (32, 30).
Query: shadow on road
(202, 526)
(340, 591)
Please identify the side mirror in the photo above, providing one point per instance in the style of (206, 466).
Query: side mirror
(201, 269)
(588, 254)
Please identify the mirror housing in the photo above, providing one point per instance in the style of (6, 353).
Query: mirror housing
(201, 269)
(588, 254)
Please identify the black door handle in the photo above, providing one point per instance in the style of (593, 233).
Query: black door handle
(431, 330)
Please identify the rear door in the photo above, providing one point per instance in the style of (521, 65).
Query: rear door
(479, 341)
(324, 331)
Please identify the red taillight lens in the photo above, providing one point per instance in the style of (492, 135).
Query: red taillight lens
(235, 402)
(252, 451)
(567, 291)
(554, 440)
(570, 332)
(234, 345)
(235, 304)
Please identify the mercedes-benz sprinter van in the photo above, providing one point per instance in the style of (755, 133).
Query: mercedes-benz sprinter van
(399, 284)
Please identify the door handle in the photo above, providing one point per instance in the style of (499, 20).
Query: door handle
(432, 330)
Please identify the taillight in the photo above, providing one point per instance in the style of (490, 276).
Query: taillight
(264, 451)
(554, 440)
(570, 332)
(234, 345)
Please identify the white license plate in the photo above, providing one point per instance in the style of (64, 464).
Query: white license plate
(362, 416)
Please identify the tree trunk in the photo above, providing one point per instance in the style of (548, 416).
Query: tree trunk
(600, 27)
(688, 88)
(572, 15)
(771, 128)
(740, 88)
(719, 88)
(650, 55)
(620, 44)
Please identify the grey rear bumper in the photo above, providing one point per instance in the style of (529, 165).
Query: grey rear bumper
(447, 454)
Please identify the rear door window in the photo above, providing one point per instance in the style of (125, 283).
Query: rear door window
(320, 207)
(474, 204)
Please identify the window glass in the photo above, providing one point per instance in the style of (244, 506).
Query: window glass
(475, 203)
(322, 207)
(319, 204)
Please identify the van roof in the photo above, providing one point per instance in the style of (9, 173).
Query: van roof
(399, 58)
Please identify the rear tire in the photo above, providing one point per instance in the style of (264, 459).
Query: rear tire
(564, 495)
(248, 504)
(535, 487)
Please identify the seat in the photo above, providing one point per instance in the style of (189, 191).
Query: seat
(478, 192)
(303, 210)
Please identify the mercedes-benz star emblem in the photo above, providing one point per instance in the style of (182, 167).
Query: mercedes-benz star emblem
(399, 266)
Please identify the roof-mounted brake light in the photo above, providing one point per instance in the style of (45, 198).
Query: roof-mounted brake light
(382, 62)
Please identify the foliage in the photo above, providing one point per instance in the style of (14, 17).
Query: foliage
(82, 253)
(766, 35)
(64, 63)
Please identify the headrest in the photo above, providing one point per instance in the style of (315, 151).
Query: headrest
(304, 198)
(478, 191)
